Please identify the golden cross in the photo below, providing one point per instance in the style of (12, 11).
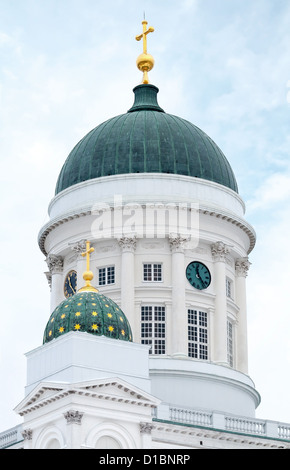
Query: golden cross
(144, 35)
(87, 254)
(88, 274)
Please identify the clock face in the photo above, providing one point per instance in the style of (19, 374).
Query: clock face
(70, 284)
(198, 275)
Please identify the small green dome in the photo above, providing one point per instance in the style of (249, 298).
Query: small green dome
(146, 140)
(88, 312)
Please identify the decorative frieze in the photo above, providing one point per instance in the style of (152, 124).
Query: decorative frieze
(242, 267)
(54, 263)
(73, 417)
(128, 243)
(219, 251)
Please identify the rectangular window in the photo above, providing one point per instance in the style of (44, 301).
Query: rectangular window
(229, 289)
(230, 344)
(106, 275)
(197, 334)
(152, 272)
(153, 328)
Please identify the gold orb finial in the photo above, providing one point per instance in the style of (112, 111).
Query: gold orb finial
(145, 61)
(88, 274)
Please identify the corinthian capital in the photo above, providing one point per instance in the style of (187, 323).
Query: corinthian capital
(242, 267)
(219, 251)
(54, 263)
(177, 242)
(128, 243)
(78, 247)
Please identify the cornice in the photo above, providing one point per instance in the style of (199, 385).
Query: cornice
(88, 211)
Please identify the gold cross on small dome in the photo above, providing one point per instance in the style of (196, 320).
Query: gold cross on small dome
(145, 61)
(88, 274)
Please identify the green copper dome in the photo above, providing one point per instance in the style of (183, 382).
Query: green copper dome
(88, 312)
(146, 140)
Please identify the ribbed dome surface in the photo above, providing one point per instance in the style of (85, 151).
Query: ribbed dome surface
(146, 140)
(88, 312)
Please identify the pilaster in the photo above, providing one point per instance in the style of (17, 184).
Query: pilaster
(55, 266)
(242, 266)
(178, 325)
(128, 246)
(219, 251)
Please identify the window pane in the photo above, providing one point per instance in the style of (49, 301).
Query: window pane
(102, 276)
(147, 270)
(111, 275)
(197, 335)
(153, 327)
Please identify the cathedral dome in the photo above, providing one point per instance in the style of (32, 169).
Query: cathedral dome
(146, 140)
(89, 312)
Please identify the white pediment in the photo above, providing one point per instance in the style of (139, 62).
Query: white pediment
(116, 390)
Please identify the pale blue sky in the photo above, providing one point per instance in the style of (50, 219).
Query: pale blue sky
(68, 65)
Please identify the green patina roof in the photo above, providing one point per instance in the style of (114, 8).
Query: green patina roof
(88, 312)
(146, 140)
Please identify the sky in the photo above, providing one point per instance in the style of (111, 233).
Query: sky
(68, 65)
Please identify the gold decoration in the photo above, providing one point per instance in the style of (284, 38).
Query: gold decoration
(88, 274)
(145, 61)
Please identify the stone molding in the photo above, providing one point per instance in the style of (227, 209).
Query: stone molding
(237, 221)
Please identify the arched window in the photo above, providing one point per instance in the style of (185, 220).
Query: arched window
(107, 442)
(52, 444)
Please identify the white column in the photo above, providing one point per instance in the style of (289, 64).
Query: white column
(179, 323)
(73, 431)
(219, 251)
(242, 267)
(128, 247)
(55, 266)
(145, 434)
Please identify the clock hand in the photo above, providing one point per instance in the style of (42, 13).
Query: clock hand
(71, 285)
(199, 277)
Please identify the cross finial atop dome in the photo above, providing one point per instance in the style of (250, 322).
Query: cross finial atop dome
(145, 61)
(88, 274)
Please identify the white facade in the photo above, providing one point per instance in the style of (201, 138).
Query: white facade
(193, 389)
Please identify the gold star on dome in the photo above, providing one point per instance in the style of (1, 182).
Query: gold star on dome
(123, 332)
(95, 327)
(61, 330)
(121, 319)
(109, 315)
(78, 314)
(77, 327)
(52, 320)
(63, 316)
(50, 333)
(111, 328)
(94, 314)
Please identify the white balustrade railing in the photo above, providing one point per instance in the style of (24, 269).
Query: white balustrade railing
(248, 426)
(221, 421)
